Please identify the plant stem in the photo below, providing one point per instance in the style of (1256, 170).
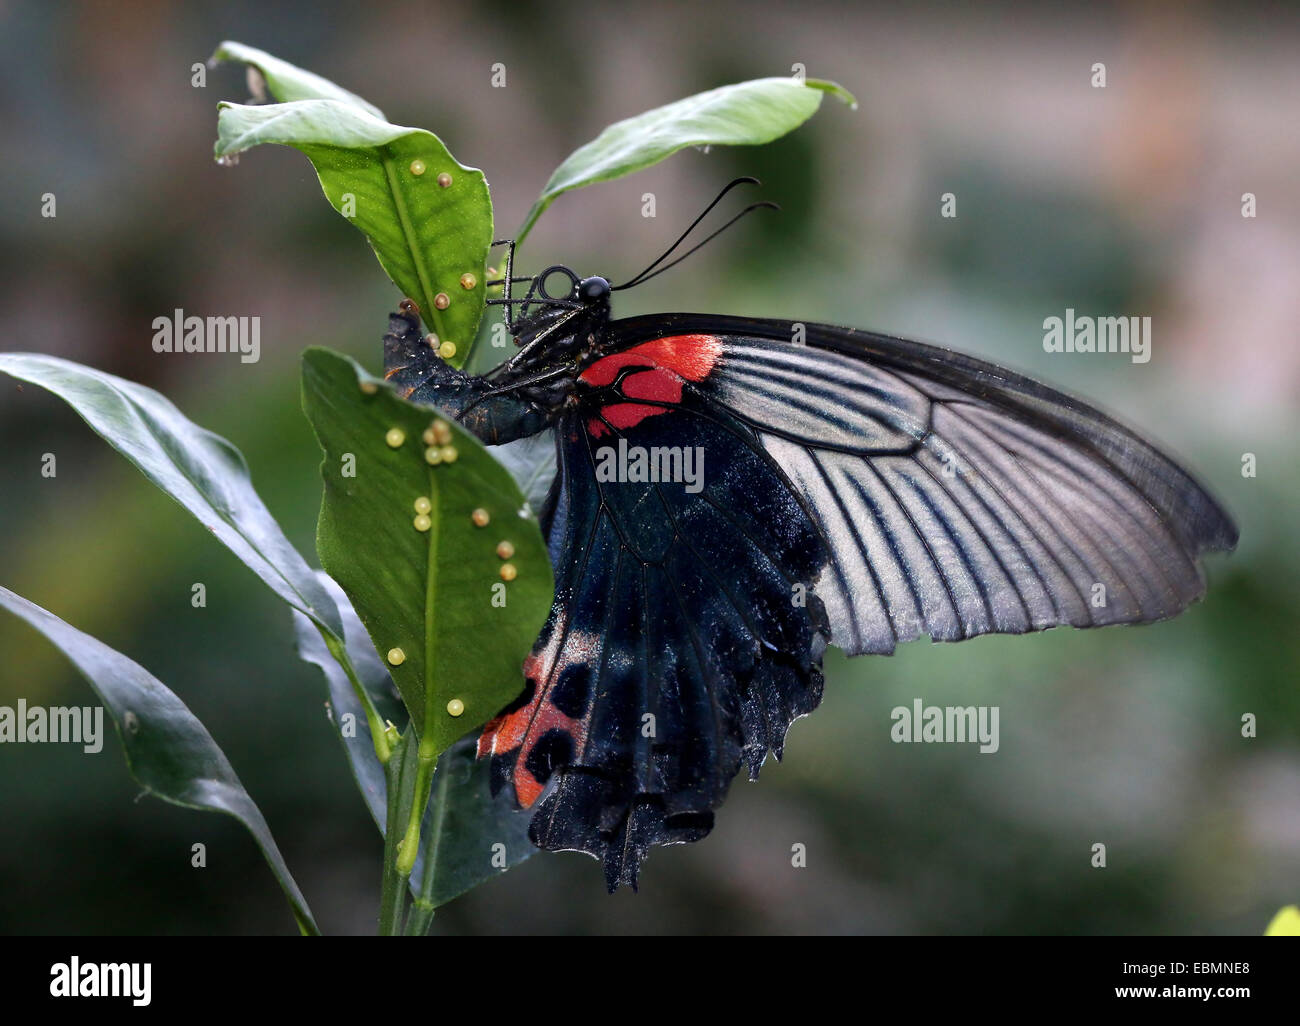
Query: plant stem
(421, 916)
(378, 734)
(423, 785)
(392, 899)
(423, 907)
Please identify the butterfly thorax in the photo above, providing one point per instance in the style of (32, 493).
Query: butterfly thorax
(555, 344)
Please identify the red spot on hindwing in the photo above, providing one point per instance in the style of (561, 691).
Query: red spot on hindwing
(518, 731)
(626, 415)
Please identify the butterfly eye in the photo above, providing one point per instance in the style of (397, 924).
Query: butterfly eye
(594, 287)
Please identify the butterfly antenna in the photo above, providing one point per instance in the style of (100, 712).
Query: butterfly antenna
(643, 277)
(743, 180)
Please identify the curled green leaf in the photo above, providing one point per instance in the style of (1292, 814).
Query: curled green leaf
(743, 114)
(427, 216)
(287, 81)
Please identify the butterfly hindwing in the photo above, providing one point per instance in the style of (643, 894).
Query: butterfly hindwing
(687, 619)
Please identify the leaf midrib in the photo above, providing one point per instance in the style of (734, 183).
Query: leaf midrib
(430, 590)
(430, 311)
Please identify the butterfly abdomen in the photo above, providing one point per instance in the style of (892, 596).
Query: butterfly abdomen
(418, 373)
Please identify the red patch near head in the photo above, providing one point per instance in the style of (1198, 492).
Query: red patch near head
(657, 385)
(663, 366)
(688, 356)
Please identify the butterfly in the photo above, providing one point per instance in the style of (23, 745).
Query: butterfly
(734, 494)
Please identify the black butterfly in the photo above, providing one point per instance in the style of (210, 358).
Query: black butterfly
(729, 501)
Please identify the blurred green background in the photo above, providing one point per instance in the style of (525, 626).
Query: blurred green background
(1117, 201)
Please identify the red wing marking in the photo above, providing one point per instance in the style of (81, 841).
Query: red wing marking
(622, 416)
(688, 356)
(669, 363)
(662, 367)
(657, 385)
(519, 730)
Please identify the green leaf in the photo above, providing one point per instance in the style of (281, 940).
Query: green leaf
(200, 470)
(287, 81)
(168, 751)
(463, 820)
(463, 825)
(744, 114)
(426, 236)
(429, 594)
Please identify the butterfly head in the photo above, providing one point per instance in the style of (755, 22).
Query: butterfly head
(594, 289)
(559, 326)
